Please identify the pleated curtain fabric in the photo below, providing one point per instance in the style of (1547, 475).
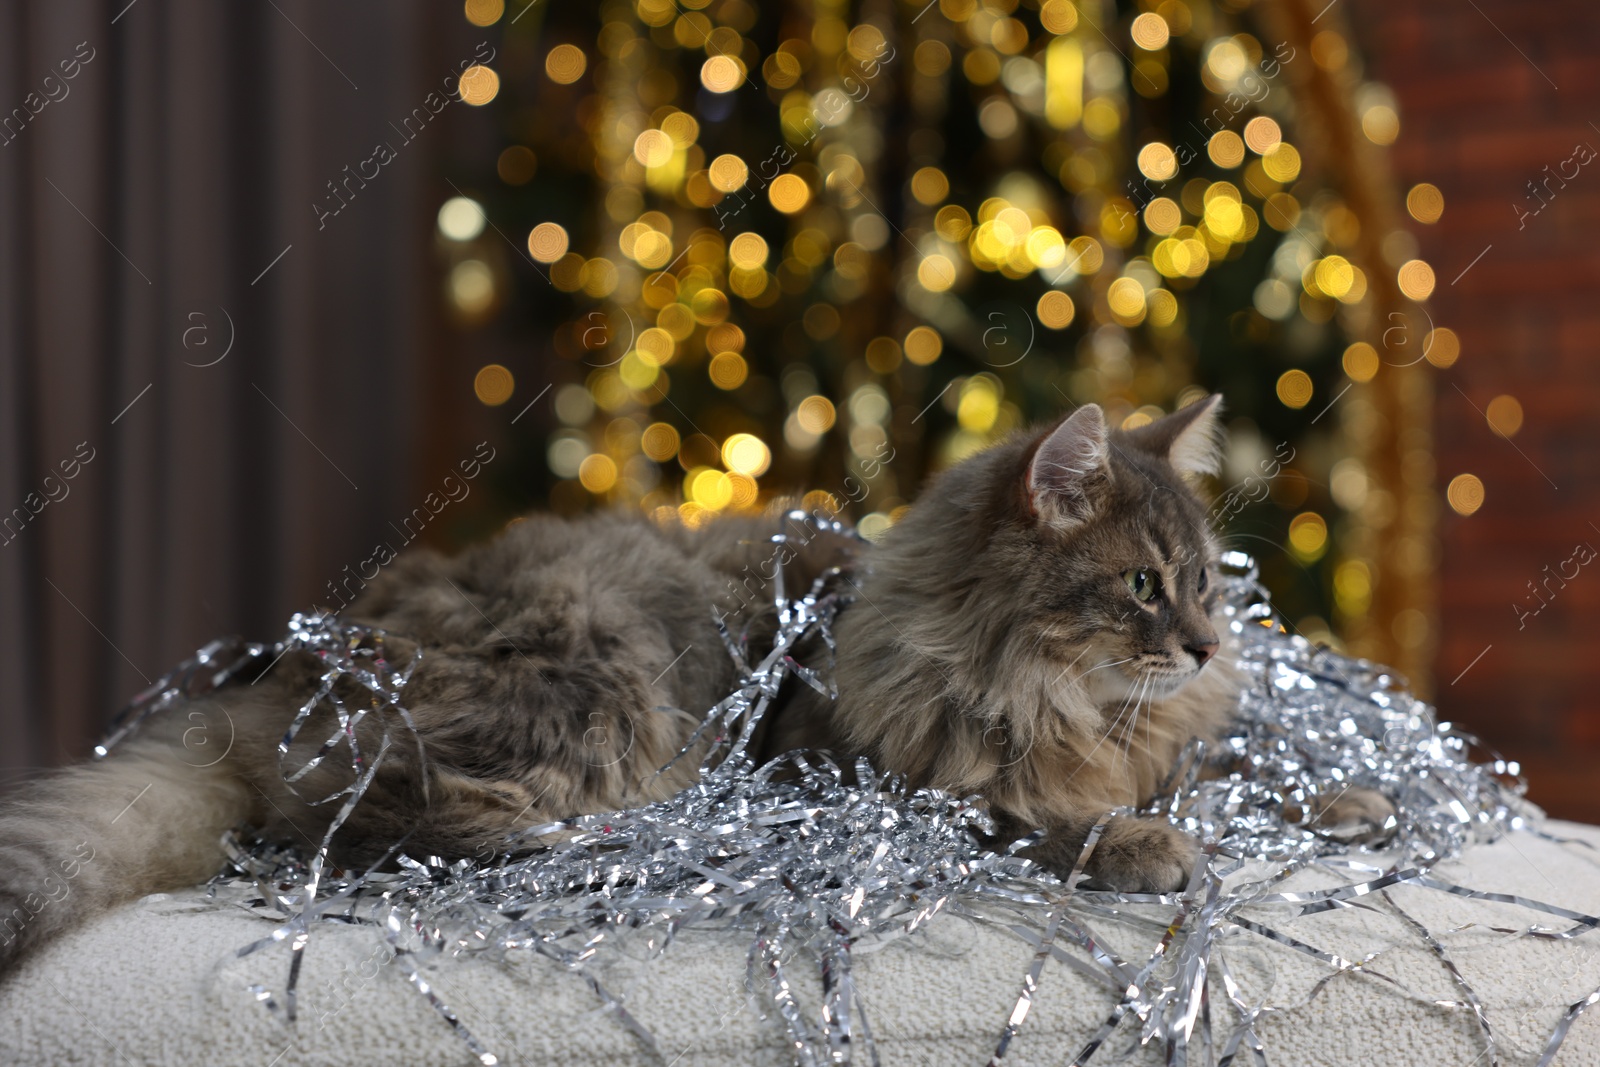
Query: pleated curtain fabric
(205, 396)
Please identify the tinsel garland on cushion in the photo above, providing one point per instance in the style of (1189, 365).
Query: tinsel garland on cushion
(815, 863)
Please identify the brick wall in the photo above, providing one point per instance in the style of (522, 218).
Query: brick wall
(1480, 120)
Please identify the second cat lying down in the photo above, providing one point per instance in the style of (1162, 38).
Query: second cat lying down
(1036, 629)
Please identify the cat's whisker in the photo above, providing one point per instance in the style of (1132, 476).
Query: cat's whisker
(1146, 698)
(1113, 663)
(1112, 728)
(1139, 687)
(1149, 700)
(1149, 725)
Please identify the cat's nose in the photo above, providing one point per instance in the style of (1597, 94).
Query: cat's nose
(1202, 651)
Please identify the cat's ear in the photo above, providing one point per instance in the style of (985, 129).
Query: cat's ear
(1189, 438)
(1071, 468)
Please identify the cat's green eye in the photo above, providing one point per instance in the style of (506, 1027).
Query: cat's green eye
(1145, 583)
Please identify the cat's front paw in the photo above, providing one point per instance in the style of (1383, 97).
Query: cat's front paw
(1142, 856)
(1355, 816)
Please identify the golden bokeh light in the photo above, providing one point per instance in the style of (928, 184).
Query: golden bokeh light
(1157, 161)
(1294, 388)
(1162, 307)
(1119, 223)
(1504, 415)
(1381, 124)
(781, 70)
(1282, 163)
(598, 473)
(725, 337)
(565, 64)
(1126, 298)
(1416, 279)
(1281, 211)
(1442, 346)
(728, 173)
(1149, 31)
(1226, 60)
(1425, 202)
(1162, 216)
(599, 277)
(1329, 50)
(930, 186)
(722, 74)
(936, 273)
(1045, 247)
(682, 127)
(709, 306)
(637, 371)
(1059, 16)
(471, 287)
(953, 222)
(484, 12)
(645, 246)
(1085, 254)
(1352, 587)
(746, 454)
(1334, 276)
(978, 405)
(923, 345)
(566, 273)
(1064, 205)
(479, 85)
(789, 193)
(493, 385)
(1465, 494)
(1102, 119)
(711, 489)
(659, 441)
(815, 414)
(1056, 310)
(744, 490)
(874, 525)
(727, 370)
(747, 251)
(1224, 217)
(677, 321)
(883, 355)
(1226, 149)
(1308, 536)
(1360, 362)
(655, 346)
(1262, 135)
(653, 148)
(547, 242)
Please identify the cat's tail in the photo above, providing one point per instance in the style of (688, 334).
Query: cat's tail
(81, 840)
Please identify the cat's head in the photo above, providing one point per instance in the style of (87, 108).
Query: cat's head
(1124, 560)
(1073, 568)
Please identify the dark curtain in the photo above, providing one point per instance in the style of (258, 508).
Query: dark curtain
(159, 164)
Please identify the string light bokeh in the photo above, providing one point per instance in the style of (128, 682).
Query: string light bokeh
(819, 250)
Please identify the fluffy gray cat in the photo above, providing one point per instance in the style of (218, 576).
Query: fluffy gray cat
(1037, 628)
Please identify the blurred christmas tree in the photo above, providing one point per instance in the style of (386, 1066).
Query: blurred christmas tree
(826, 248)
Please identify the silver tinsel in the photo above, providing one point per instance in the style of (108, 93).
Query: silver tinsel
(813, 862)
